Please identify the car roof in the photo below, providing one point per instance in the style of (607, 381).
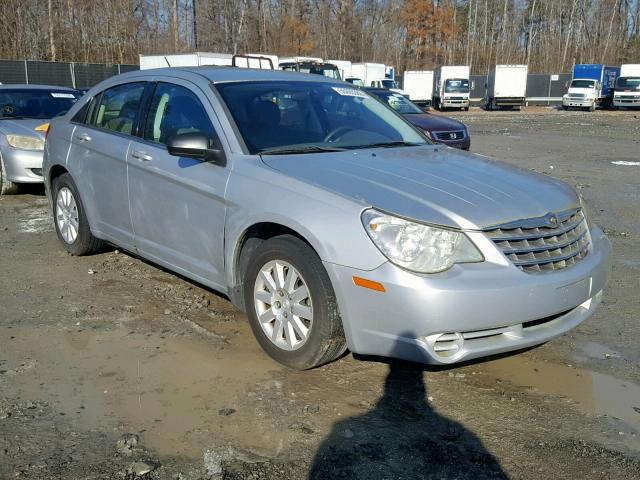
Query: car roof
(33, 86)
(232, 74)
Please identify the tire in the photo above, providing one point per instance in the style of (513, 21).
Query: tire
(324, 341)
(465, 109)
(7, 187)
(67, 203)
(565, 108)
(592, 108)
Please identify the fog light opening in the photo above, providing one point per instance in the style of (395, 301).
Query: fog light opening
(448, 345)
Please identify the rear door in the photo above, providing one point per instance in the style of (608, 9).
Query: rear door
(177, 204)
(98, 154)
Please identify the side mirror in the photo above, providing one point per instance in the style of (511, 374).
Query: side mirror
(195, 145)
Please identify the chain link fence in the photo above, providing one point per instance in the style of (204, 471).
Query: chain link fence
(542, 88)
(64, 74)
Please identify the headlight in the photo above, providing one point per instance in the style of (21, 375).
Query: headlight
(24, 142)
(418, 247)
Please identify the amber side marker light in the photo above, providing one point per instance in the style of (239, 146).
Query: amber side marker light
(370, 284)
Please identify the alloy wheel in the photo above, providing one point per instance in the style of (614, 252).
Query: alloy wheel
(283, 305)
(67, 215)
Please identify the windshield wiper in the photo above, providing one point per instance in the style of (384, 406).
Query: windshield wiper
(388, 145)
(302, 149)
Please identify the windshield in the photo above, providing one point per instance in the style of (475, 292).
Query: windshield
(583, 84)
(389, 83)
(455, 85)
(399, 103)
(35, 103)
(356, 81)
(310, 116)
(629, 83)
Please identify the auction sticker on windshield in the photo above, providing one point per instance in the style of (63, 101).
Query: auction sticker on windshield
(349, 92)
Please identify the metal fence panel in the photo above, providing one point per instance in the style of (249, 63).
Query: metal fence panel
(89, 74)
(537, 85)
(128, 68)
(50, 73)
(559, 87)
(12, 71)
(478, 87)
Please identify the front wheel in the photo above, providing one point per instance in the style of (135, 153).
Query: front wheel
(70, 218)
(291, 304)
(7, 187)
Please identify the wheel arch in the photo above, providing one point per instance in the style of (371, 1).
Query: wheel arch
(247, 242)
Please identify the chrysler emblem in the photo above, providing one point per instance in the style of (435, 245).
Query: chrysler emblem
(553, 220)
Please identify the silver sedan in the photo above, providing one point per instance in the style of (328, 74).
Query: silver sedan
(23, 108)
(323, 214)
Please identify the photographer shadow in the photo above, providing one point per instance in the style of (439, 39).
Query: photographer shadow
(403, 437)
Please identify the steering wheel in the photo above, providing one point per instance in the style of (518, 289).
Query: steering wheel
(333, 135)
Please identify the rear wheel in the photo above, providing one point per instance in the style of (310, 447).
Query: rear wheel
(70, 218)
(7, 187)
(291, 304)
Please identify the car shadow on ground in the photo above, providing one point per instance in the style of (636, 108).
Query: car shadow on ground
(403, 437)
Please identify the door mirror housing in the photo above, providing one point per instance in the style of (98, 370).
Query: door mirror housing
(195, 145)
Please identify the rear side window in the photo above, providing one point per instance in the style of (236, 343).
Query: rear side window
(117, 108)
(174, 110)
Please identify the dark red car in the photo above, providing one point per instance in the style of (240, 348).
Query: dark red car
(438, 128)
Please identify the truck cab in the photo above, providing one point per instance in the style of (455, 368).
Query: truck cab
(627, 89)
(388, 84)
(583, 93)
(456, 93)
(309, 66)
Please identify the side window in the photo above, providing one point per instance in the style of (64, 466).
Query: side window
(117, 108)
(175, 110)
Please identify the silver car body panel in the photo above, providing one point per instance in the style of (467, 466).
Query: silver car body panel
(191, 217)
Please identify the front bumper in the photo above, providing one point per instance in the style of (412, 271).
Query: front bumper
(22, 166)
(455, 103)
(629, 101)
(578, 102)
(482, 309)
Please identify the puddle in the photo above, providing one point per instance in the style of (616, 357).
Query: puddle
(624, 162)
(36, 220)
(170, 389)
(593, 393)
(597, 350)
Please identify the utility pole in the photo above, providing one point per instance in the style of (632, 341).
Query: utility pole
(195, 24)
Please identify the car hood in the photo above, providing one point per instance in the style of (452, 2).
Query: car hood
(430, 122)
(22, 127)
(433, 184)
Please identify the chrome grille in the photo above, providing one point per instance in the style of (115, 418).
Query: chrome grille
(448, 136)
(537, 246)
(577, 95)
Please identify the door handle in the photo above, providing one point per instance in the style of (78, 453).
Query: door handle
(145, 157)
(83, 137)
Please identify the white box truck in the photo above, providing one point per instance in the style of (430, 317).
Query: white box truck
(368, 72)
(451, 87)
(627, 89)
(419, 85)
(344, 67)
(507, 86)
(195, 59)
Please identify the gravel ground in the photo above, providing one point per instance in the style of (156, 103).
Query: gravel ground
(112, 368)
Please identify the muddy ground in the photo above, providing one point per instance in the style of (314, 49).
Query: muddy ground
(111, 368)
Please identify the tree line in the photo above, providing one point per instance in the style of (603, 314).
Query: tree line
(549, 35)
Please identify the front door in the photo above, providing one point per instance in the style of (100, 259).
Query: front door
(177, 204)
